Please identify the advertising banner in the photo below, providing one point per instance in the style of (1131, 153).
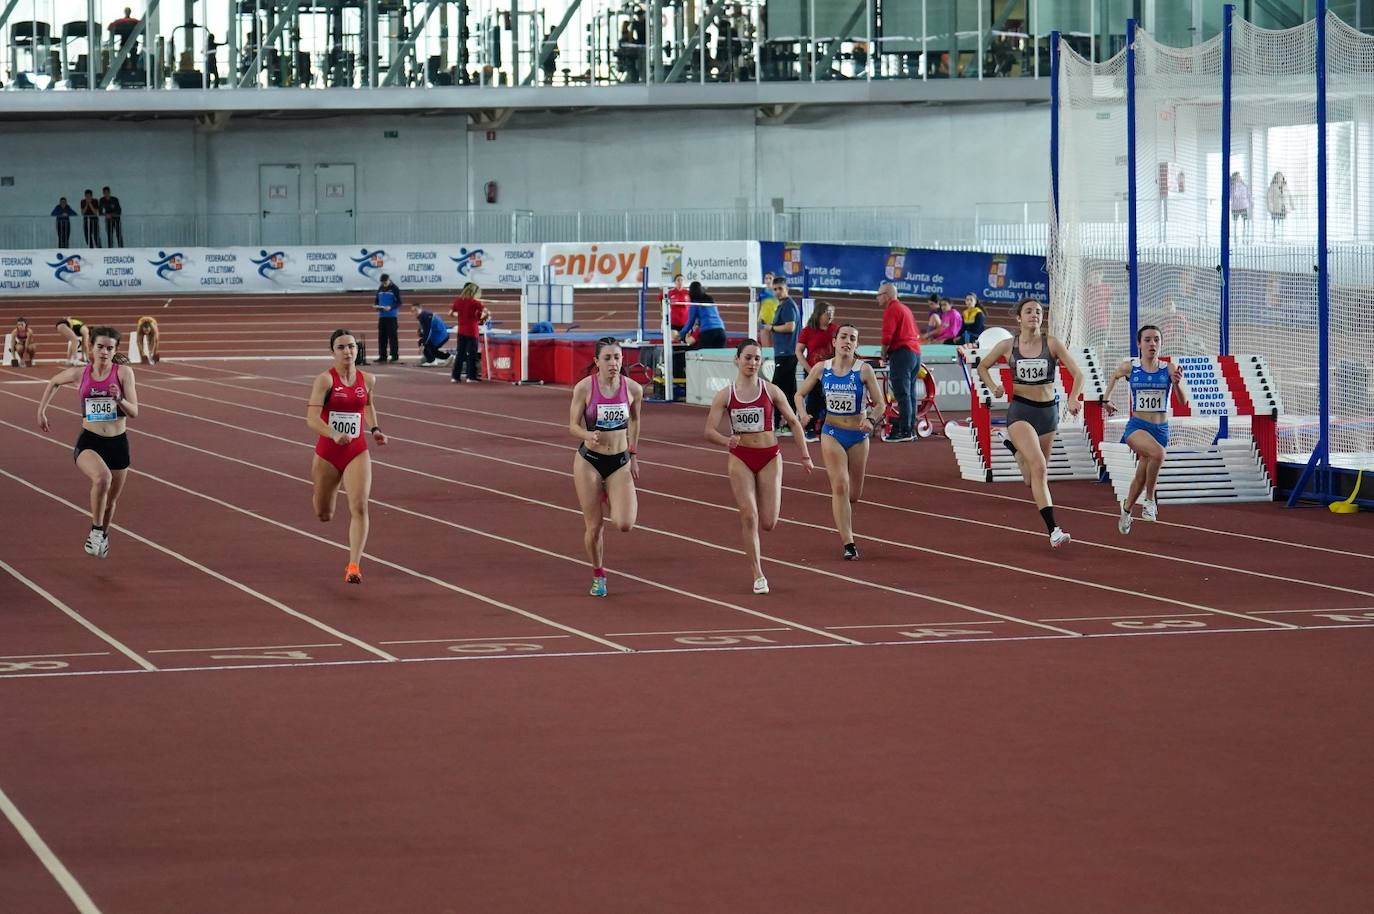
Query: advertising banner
(713, 263)
(914, 271)
(258, 270)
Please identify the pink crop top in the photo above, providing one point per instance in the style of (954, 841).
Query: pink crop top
(607, 414)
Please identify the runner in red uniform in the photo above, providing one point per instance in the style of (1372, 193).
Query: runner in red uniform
(755, 462)
(340, 408)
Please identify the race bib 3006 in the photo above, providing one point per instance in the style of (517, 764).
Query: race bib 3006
(346, 423)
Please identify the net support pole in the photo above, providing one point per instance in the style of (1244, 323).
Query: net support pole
(1132, 276)
(643, 302)
(1318, 464)
(524, 334)
(1323, 271)
(1224, 267)
(1054, 128)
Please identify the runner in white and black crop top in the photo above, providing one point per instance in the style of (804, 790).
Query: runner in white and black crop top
(1033, 414)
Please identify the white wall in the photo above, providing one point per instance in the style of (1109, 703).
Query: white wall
(945, 159)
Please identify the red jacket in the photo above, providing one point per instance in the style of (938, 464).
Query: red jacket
(469, 314)
(899, 328)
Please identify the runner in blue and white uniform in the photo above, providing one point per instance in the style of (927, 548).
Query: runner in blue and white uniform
(852, 397)
(1147, 433)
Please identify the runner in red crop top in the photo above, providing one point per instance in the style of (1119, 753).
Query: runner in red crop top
(755, 462)
(341, 406)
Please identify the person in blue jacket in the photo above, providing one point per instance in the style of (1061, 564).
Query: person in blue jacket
(433, 336)
(705, 318)
(388, 305)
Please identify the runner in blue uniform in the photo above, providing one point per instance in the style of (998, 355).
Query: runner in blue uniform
(852, 398)
(1147, 433)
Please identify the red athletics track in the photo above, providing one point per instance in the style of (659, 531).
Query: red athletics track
(982, 733)
(222, 326)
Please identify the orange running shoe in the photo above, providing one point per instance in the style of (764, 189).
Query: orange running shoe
(353, 574)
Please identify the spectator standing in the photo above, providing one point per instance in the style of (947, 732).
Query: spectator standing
(679, 300)
(1240, 204)
(388, 305)
(768, 306)
(902, 350)
(111, 210)
(211, 61)
(816, 344)
(548, 58)
(90, 219)
(785, 325)
(63, 213)
(1278, 201)
(975, 319)
(471, 314)
(1098, 298)
(123, 29)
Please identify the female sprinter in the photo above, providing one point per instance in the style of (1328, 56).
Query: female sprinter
(852, 395)
(341, 406)
(1148, 431)
(108, 401)
(24, 344)
(78, 337)
(755, 461)
(146, 338)
(605, 417)
(1033, 415)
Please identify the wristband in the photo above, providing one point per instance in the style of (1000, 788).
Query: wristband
(375, 429)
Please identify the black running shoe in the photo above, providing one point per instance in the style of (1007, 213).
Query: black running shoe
(851, 552)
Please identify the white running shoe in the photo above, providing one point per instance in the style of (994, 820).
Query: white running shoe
(760, 585)
(1123, 523)
(1058, 538)
(1149, 509)
(104, 546)
(95, 542)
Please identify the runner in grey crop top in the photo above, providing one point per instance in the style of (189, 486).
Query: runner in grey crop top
(1039, 369)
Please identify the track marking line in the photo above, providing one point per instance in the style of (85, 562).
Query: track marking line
(901, 509)
(317, 623)
(75, 616)
(1130, 617)
(699, 631)
(259, 647)
(1338, 609)
(937, 486)
(928, 624)
(688, 539)
(486, 638)
(55, 867)
(270, 601)
(56, 656)
(1082, 639)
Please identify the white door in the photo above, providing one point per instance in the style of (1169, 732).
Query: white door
(334, 204)
(279, 201)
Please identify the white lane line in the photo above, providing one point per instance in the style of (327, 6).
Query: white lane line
(487, 638)
(55, 867)
(56, 656)
(929, 624)
(1339, 609)
(493, 491)
(258, 647)
(905, 510)
(701, 631)
(317, 623)
(75, 616)
(908, 482)
(1129, 617)
(244, 588)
